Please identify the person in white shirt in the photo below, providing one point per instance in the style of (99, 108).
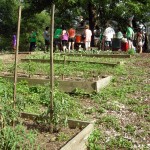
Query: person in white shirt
(108, 35)
(88, 34)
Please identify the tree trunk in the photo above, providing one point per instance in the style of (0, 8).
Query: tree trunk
(92, 20)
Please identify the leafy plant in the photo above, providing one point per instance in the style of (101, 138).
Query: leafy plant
(62, 137)
(64, 107)
(93, 140)
(119, 142)
(16, 138)
(31, 68)
(7, 112)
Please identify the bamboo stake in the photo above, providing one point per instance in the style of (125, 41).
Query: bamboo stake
(16, 60)
(51, 68)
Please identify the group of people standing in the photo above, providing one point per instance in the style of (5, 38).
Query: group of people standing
(134, 40)
(64, 40)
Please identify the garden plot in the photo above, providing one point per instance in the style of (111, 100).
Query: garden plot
(68, 77)
(32, 130)
(78, 141)
(68, 58)
(121, 109)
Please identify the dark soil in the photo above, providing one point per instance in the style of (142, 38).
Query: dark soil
(50, 141)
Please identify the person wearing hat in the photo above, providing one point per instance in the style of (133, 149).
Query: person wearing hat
(87, 40)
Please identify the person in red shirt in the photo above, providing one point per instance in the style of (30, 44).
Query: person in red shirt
(72, 33)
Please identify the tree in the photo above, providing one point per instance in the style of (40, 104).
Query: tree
(98, 12)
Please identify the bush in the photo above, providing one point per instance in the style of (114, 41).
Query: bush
(131, 51)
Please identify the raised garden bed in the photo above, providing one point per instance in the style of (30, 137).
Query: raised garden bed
(79, 140)
(71, 61)
(70, 86)
(101, 55)
(80, 131)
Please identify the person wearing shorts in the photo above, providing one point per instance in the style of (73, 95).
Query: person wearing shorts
(57, 39)
(108, 35)
(72, 33)
(64, 39)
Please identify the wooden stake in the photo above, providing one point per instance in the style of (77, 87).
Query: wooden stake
(51, 68)
(16, 61)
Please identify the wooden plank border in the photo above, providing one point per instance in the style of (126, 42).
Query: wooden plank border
(71, 61)
(69, 86)
(100, 55)
(80, 140)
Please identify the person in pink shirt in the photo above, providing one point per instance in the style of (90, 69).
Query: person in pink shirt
(64, 39)
(88, 34)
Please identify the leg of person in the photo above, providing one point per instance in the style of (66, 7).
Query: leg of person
(86, 45)
(47, 46)
(63, 46)
(110, 45)
(45, 49)
(66, 44)
(89, 45)
(137, 49)
(57, 44)
(31, 47)
(106, 47)
(103, 45)
(140, 49)
(34, 46)
(69, 46)
(72, 45)
(54, 45)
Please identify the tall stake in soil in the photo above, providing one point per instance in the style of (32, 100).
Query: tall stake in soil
(16, 61)
(51, 68)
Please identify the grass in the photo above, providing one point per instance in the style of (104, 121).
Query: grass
(109, 121)
(122, 109)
